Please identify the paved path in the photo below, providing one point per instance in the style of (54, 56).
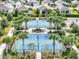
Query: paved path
(76, 49)
(2, 47)
(38, 55)
(11, 32)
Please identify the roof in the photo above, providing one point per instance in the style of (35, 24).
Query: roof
(41, 7)
(47, 1)
(77, 8)
(6, 6)
(75, 2)
(29, 1)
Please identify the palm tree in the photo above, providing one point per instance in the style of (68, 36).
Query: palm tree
(16, 23)
(22, 35)
(40, 1)
(51, 18)
(69, 1)
(46, 51)
(3, 22)
(38, 42)
(1, 30)
(12, 40)
(32, 48)
(25, 19)
(75, 28)
(7, 40)
(72, 39)
(57, 20)
(3, 0)
(53, 0)
(9, 16)
(16, 12)
(52, 36)
(69, 40)
(72, 55)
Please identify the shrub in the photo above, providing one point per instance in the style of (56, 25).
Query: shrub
(6, 30)
(71, 15)
(72, 55)
(77, 43)
(9, 17)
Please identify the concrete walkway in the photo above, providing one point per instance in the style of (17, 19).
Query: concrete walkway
(76, 49)
(11, 32)
(2, 47)
(38, 55)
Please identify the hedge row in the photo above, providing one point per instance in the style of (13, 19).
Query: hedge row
(72, 15)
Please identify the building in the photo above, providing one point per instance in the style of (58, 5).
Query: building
(32, 2)
(43, 10)
(47, 2)
(77, 8)
(21, 6)
(75, 2)
(6, 6)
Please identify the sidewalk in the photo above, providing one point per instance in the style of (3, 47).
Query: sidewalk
(76, 49)
(2, 47)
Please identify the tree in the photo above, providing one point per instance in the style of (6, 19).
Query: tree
(16, 22)
(59, 33)
(15, 0)
(57, 20)
(72, 55)
(75, 28)
(15, 14)
(26, 19)
(69, 40)
(33, 12)
(12, 40)
(7, 40)
(3, 0)
(51, 18)
(53, 0)
(32, 48)
(1, 31)
(66, 53)
(22, 35)
(38, 13)
(3, 23)
(52, 36)
(45, 49)
(69, 1)
(9, 16)
(40, 1)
